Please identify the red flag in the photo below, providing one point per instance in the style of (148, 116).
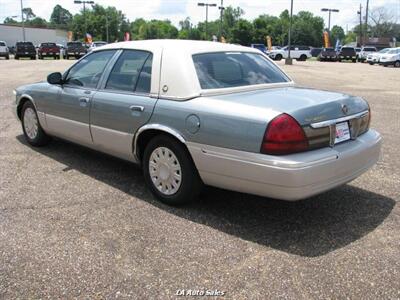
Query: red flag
(127, 36)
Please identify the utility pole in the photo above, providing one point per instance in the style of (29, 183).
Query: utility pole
(23, 22)
(288, 60)
(221, 8)
(206, 5)
(107, 29)
(366, 22)
(84, 2)
(360, 13)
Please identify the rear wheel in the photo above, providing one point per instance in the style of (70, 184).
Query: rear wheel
(33, 132)
(303, 57)
(8, 57)
(397, 64)
(170, 172)
(354, 60)
(278, 57)
(16, 57)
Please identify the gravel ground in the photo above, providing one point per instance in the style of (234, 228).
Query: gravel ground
(78, 224)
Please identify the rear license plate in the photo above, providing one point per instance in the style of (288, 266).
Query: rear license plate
(26, 52)
(50, 53)
(342, 132)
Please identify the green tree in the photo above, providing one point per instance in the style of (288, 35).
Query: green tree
(307, 29)
(337, 33)
(27, 11)
(9, 20)
(37, 22)
(242, 32)
(60, 16)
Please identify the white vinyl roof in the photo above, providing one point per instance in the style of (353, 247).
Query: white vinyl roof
(176, 78)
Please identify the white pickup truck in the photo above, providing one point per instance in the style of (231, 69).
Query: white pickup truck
(300, 53)
(4, 52)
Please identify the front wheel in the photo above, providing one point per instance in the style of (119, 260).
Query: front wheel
(278, 57)
(170, 172)
(33, 132)
(397, 64)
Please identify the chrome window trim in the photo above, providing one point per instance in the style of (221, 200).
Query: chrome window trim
(342, 119)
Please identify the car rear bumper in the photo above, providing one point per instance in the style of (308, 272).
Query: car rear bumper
(24, 54)
(291, 177)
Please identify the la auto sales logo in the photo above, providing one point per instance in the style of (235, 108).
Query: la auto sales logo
(204, 292)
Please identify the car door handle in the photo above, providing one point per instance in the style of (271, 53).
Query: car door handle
(136, 108)
(84, 100)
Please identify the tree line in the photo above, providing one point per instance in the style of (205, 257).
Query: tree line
(108, 22)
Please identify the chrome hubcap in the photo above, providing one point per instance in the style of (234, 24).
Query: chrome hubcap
(30, 123)
(165, 171)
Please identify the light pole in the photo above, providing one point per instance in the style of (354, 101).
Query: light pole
(206, 5)
(288, 60)
(221, 8)
(23, 22)
(361, 31)
(330, 10)
(84, 2)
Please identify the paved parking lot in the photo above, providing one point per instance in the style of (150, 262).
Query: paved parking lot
(78, 224)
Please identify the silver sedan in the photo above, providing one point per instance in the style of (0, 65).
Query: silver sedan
(193, 113)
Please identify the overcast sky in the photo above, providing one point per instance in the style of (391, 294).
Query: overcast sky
(176, 10)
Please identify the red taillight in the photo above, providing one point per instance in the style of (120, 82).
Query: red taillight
(284, 136)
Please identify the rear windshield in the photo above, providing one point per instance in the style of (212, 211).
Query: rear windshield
(347, 48)
(232, 69)
(48, 44)
(329, 49)
(74, 44)
(370, 49)
(24, 44)
(2, 44)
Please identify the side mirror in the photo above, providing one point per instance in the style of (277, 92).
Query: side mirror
(55, 78)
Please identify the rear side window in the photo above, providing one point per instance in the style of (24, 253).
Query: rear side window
(232, 69)
(131, 72)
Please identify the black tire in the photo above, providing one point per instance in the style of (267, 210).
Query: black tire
(33, 58)
(16, 57)
(278, 57)
(397, 64)
(8, 57)
(354, 60)
(41, 138)
(371, 63)
(303, 57)
(190, 185)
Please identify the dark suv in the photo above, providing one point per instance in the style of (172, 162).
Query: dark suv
(347, 53)
(25, 49)
(75, 49)
(48, 50)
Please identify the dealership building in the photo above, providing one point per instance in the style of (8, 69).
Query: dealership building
(13, 33)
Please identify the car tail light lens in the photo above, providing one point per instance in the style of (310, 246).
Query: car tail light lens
(284, 135)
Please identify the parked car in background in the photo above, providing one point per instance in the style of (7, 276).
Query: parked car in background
(196, 112)
(315, 51)
(4, 51)
(392, 57)
(374, 58)
(347, 53)
(328, 54)
(260, 47)
(75, 49)
(48, 50)
(25, 49)
(358, 50)
(363, 54)
(300, 53)
(95, 45)
(62, 49)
